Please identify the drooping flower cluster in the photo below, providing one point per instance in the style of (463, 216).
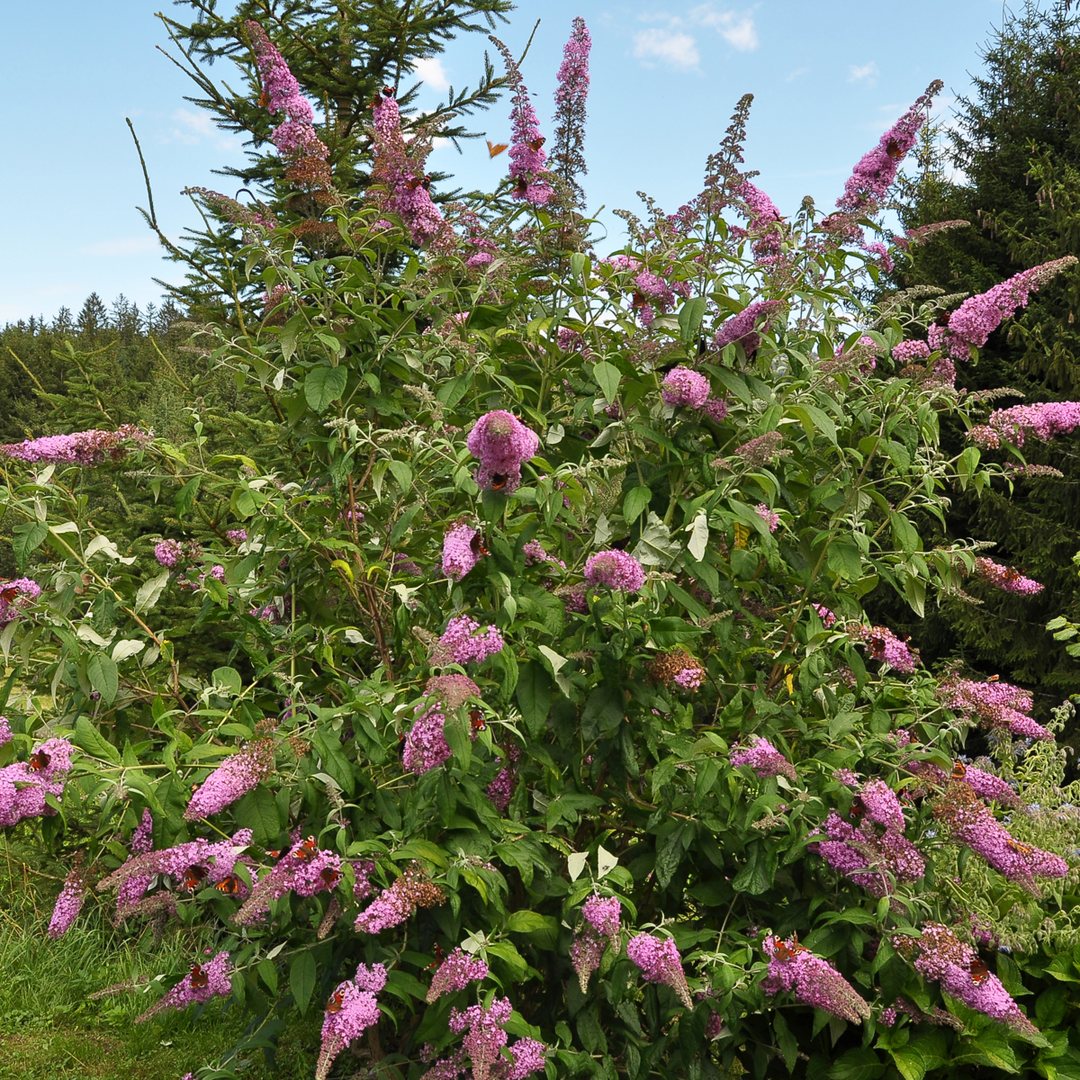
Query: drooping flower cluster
(772, 520)
(600, 926)
(743, 328)
(677, 669)
(69, 903)
(203, 982)
(1044, 420)
(827, 617)
(683, 388)
(461, 551)
(875, 172)
(80, 448)
(24, 785)
(941, 957)
(231, 780)
(501, 790)
(571, 93)
(134, 888)
(535, 553)
(615, 569)
(399, 172)
(908, 352)
(18, 596)
(394, 905)
(659, 961)
(295, 136)
(882, 644)
(1006, 578)
(814, 982)
(352, 1009)
(979, 316)
(303, 870)
(651, 292)
(984, 784)
(972, 824)
(234, 211)
(763, 758)
(455, 973)
(761, 450)
(426, 747)
(502, 444)
(992, 704)
(461, 644)
(527, 157)
(765, 221)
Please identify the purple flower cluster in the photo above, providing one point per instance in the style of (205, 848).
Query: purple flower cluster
(979, 316)
(771, 520)
(455, 973)
(300, 871)
(763, 758)
(26, 591)
(1044, 421)
(426, 747)
(994, 705)
(134, 888)
(814, 981)
(908, 352)
(460, 551)
(231, 780)
(5, 731)
(573, 75)
(81, 448)
(600, 927)
(683, 388)
(882, 644)
(168, 553)
(984, 784)
(882, 252)
(650, 292)
(827, 617)
(615, 569)
(1005, 578)
(659, 961)
(203, 982)
(236, 536)
(295, 135)
(527, 157)
(763, 218)
(501, 790)
(352, 1009)
(502, 444)
(461, 644)
(873, 175)
(743, 328)
(69, 903)
(25, 785)
(947, 961)
(395, 904)
(485, 1036)
(534, 553)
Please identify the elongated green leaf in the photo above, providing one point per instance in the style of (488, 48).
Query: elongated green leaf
(322, 385)
(608, 378)
(302, 979)
(103, 676)
(635, 503)
(87, 739)
(27, 538)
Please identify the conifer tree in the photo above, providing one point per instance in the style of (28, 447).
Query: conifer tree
(1011, 168)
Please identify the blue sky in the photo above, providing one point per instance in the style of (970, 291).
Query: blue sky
(828, 78)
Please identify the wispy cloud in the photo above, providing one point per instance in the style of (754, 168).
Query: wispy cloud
(863, 73)
(192, 127)
(429, 70)
(792, 76)
(674, 40)
(122, 246)
(672, 47)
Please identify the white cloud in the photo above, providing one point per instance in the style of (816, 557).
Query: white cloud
(123, 246)
(672, 47)
(792, 76)
(866, 71)
(737, 30)
(195, 127)
(429, 70)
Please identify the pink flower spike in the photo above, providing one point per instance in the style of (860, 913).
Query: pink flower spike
(615, 569)
(461, 551)
(659, 961)
(1005, 578)
(455, 973)
(813, 981)
(527, 157)
(352, 1009)
(763, 758)
(202, 983)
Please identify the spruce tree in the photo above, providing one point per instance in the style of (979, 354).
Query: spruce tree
(1011, 168)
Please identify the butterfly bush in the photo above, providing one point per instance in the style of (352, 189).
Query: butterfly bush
(218, 983)
(1045, 421)
(502, 444)
(683, 388)
(24, 789)
(24, 592)
(455, 973)
(571, 95)
(80, 448)
(397, 903)
(459, 556)
(232, 780)
(69, 903)
(527, 157)
(297, 872)
(460, 642)
(994, 705)
(763, 758)
(615, 569)
(812, 980)
(659, 961)
(1005, 578)
(355, 1009)
(425, 746)
(600, 927)
(743, 328)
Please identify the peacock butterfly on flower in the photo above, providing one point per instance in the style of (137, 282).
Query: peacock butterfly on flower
(498, 481)
(535, 144)
(8, 591)
(521, 187)
(230, 885)
(329, 876)
(39, 761)
(858, 808)
(199, 979)
(306, 850)
(439, 957)
(979, 971)
(193, 877)
(335, 1002)
(892, 148)
(476, 544)
(783, 951)
(476, 718)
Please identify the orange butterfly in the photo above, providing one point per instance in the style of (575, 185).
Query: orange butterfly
(1020, 849)
(193, 877)
(858, 808)
(478, 721)
(335, 1003)
(496, 148)
(330, 877)
(199, 978)
(979, 971)
(498, 481)
(893, 150)
(419, 181)
(783, 951)
(535, 144)
(228, 885)
(306, 850)
(959, 770)
(39, 761)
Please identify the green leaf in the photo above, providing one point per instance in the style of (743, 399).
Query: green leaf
(402, 474)
(858, 1065)
(323, 385)
(607, 378)
(26, 538)
(302, 979)
(635, 503)
(258, 811)
(656, 546)
(268, 973)
(910, 1061)
(690, 316)
(534, 690)
(185, 497)
(525, 922)
(89, 740)
(149, 591)
(844, 558)
(103, 676)
(229, 679)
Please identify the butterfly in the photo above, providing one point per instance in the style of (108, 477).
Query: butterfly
(535, 144)
(193, 877)
(199, 979)
(993, 678)
(639, 300)
(979, 971)
(521, 188)
(1020, 849)
(498, 481)
(389, 91)
(306, 850)
(401, 745)
(39, 761)
(496, 148)
(478, 721)
(959, 770)
(783, 951)
(892, 148)
(9, 591)
(229, 885)
(877, 644)
(419, 181)
(439, 956)
(335, 1002)
(476, 545)
(330, 877)
(858, 808)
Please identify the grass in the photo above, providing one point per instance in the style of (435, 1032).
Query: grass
(54, 1027)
